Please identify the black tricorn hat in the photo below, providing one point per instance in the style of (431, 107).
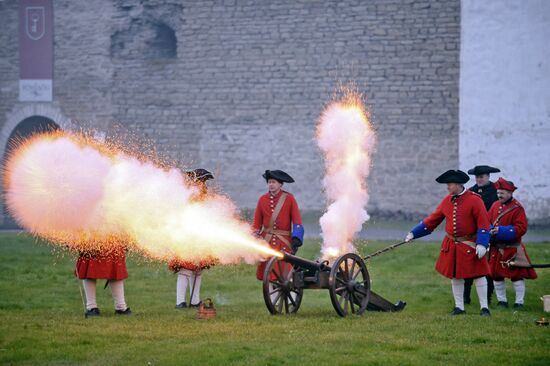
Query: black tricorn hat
(483, 169)
(453, 176)
(278, 175)
(199, 175)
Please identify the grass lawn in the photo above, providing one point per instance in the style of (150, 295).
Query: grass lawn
(42, 322)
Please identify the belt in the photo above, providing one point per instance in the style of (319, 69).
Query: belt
(280, 234)
(463, 239)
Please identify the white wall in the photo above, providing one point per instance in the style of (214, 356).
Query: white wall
(505, 95)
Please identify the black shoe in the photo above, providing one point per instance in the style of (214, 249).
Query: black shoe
(502, 304)
(195, 305)
(123, 312)
(91, 312)
(458, 311)
(518, 306)
(484, 312)
(181, 305)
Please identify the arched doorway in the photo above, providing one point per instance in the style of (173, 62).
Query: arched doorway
(24, 129)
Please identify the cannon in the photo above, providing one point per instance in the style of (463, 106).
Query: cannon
(347, 280)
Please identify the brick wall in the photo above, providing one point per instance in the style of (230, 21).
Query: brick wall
(248, 80)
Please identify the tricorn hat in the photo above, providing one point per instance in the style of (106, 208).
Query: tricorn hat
(502, 183)
(278, 175)
(483, 169)
(453, 176)
(199, 175)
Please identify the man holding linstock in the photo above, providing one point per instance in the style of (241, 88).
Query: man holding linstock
(277, 217)
(466, 240)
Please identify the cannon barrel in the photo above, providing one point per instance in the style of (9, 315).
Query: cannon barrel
(305, 263)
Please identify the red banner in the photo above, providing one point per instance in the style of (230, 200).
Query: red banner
(35, 50)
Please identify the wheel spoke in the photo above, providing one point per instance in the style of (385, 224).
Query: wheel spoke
(275, 283)
(346, 265)
(351, 302)
(361, 290)
(289, 275)
(346, 303)
(340, 289)
(286, 303)
(340, 280)
(276, 290)
(277, 298)
(353, 269)
(278, 273)
(280, 304)
(359, 271)
(292, 301)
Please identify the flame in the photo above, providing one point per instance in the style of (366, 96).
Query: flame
(346, 139)
(86, 195)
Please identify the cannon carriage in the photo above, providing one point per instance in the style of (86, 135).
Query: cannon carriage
(347, 281)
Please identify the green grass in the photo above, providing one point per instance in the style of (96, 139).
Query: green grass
(41, 317)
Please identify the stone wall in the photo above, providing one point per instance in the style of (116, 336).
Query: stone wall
(237, 86)
(505, 95)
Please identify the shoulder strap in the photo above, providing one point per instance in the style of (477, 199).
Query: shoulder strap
(504, 213)
(277, 210)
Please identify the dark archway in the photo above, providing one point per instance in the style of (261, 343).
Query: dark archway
(25, 129)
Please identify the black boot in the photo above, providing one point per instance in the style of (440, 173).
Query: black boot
(123, 312)
(458, 311)
(467, 290)
(502, 304)
(484, 312)
(91, 312)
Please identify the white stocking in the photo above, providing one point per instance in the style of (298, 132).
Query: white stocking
(89, 290)
(500, 289)
(117, 289)
(181, 285)
(481, 288)
(520, 291)
(458, 292)
(195, 288)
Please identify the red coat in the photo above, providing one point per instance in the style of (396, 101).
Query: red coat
(464, 215)
(518, 219)
(110, 266)
(176, 265)
(288, 216)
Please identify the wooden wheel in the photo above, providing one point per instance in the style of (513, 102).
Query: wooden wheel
(280, 294)
(349, 285)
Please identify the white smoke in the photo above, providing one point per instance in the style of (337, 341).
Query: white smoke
(65, 189)
(347, 141)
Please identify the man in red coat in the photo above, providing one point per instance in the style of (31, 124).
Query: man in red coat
(508, 225)
(466, 240)
(189, 273)
(109, 265)
(276, 214)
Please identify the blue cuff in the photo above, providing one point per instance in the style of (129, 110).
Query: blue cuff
(298, 232)
(483, 237)
(506, 233)
(420, 230)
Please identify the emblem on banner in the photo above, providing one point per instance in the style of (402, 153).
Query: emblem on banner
(34, 20)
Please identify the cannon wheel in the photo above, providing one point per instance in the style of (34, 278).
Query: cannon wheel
(280, 294)
(349, 285)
